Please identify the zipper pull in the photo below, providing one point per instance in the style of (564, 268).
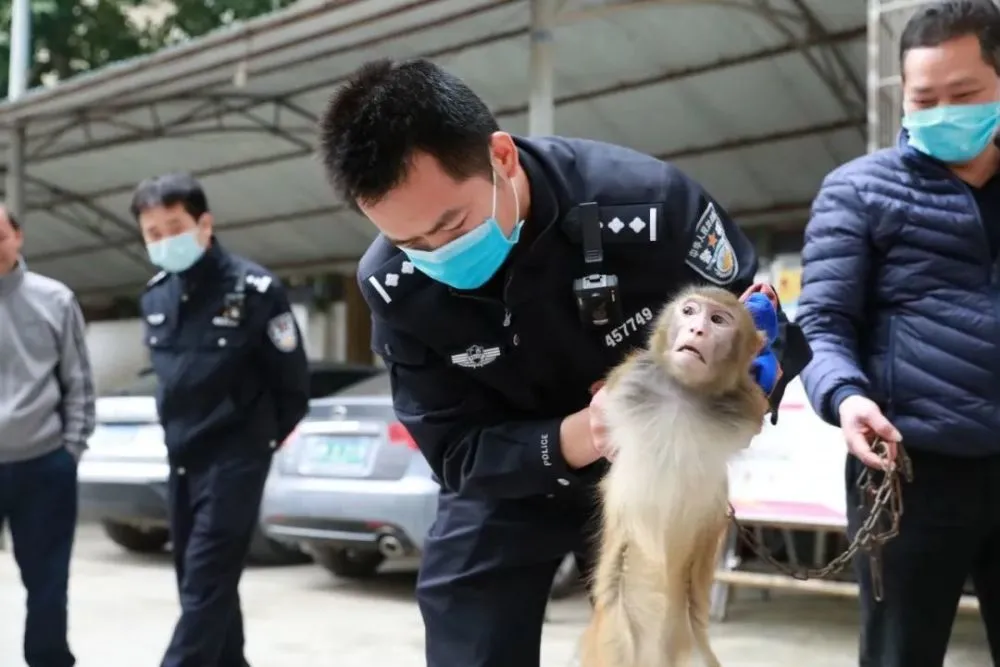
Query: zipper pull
(506, 317)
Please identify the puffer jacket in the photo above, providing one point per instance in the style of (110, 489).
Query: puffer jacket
(901, 301)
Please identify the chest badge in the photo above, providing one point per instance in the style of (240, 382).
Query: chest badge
(232, 311)
(156, 319)
(476, 356)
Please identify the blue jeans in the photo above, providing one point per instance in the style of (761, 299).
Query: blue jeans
(38, 498)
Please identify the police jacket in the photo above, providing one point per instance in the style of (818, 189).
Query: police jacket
(901, 301)
(483, 379)
(232, 375)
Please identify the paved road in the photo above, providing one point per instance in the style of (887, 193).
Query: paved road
(123, 608)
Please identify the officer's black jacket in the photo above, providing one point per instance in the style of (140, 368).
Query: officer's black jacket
(483, 379)
(232, 375)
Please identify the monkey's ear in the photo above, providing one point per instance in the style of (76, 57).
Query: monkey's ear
(762, 340)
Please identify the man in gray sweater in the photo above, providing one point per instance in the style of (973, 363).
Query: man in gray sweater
(46, 417)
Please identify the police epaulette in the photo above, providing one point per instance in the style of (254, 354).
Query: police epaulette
(261, 282)
(392, 280)
(624, 223)
(157, 279)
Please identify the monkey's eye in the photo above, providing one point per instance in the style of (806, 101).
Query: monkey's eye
(688, 309)
(719, 318)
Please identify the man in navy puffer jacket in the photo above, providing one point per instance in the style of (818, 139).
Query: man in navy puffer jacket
(901, 305)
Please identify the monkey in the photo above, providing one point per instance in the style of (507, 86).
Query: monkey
(675, 412)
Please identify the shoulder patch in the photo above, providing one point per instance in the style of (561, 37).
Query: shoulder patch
(157, 279)
(283, 333)
(711, 255)
(260, 282)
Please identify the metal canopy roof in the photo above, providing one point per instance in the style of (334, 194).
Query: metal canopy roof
(758, 99)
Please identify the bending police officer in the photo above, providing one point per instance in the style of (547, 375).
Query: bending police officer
(232, 385)
(509, 276)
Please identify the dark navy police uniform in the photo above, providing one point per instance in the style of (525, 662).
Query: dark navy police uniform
(232, 385)
(483, 379)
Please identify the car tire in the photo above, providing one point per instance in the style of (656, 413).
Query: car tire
(135, 539)
(265, 551)
(349, 563)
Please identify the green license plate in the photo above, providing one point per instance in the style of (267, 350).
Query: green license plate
(337, 451)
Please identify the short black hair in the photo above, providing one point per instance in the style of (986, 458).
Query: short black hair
(170, 190)
(387, 112)
(943, 21)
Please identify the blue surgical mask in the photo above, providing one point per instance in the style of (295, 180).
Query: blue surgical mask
(953, 133)
(469, 261)
(176, 253)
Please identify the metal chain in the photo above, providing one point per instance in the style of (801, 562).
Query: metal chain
(877, 503)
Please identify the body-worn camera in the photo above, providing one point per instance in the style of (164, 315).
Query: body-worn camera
(597, 298)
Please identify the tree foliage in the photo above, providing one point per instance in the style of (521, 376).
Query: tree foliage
(74, 36)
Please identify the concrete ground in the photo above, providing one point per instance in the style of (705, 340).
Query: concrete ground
(123, 608)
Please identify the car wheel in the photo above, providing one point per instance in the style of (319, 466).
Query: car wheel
(265, 551)
(135, 539)
(349, 563)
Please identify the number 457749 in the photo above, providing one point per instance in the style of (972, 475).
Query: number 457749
(632, 324)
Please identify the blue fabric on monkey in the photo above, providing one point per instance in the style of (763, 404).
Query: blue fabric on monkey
(765, 367)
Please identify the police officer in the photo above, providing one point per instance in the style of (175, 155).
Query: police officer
(233, 383)
(509, 276)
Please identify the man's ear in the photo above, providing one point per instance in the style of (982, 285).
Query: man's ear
(206, 226)
(504, 153)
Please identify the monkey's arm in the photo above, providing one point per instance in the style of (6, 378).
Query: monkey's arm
(836, 261)
(469, 443)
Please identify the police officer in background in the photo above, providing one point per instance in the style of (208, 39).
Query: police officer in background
(509, 276)
(232, 384)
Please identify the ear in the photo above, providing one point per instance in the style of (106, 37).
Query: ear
(206, 224)
(504, 153)
(761, 339)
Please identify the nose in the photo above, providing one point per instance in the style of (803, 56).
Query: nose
(697, 326)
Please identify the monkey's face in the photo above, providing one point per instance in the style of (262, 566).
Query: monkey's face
(703, 338)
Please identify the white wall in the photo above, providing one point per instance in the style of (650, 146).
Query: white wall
(117, 352)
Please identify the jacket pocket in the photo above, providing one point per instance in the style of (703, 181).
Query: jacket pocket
(889, 367)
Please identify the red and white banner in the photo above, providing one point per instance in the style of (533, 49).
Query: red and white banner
(792, 473)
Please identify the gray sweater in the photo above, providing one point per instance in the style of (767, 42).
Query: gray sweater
(46, 387)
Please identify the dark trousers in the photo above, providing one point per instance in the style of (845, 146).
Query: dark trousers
(38, 498)
(950, 531)
(485, 577)
(214, 510)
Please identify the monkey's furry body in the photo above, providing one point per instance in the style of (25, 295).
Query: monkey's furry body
(665, 502)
